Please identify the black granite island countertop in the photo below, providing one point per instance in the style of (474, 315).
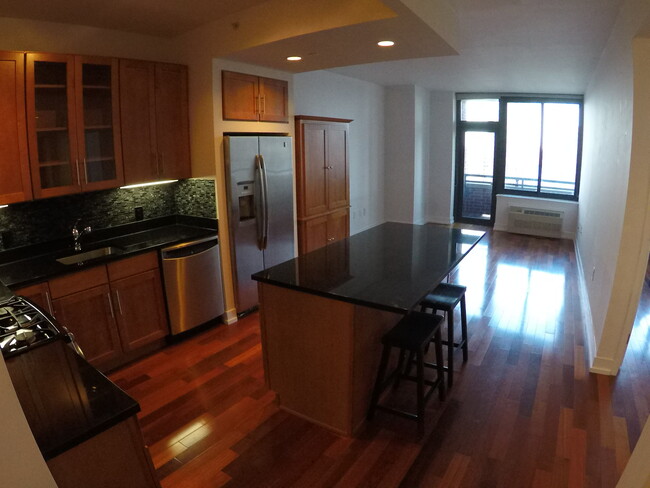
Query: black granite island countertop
(66, 400)
(389, 267)
(32, 264)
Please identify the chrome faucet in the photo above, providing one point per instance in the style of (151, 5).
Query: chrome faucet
(76, 234)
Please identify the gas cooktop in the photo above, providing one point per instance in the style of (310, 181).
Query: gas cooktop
(23, 326)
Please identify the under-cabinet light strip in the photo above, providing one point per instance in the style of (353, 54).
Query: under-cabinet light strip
(164, 182)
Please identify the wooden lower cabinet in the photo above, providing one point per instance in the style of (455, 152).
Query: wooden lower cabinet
(38, 294)
(114, 311)
(115, 457)
(322, 230)
(141, 312)
(89, 315)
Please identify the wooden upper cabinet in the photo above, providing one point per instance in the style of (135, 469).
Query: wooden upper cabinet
(155, 124)
(322, 175)
(172, 121)
(312, 170)
(73, 124)
(15, 183)
(254, 98)
(239, 96)
(274, 100)
(337, 167)
(98, 122)
(138, 115)
(51, 123)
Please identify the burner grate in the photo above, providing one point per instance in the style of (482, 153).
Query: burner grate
(23, 326)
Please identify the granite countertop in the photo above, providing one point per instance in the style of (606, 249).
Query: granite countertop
(66, 400)
(390, 267)
(32, 264)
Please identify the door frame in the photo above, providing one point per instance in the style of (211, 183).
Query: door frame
(461, 128)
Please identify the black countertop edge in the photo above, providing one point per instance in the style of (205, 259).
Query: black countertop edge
(333, 296)
(99, 235)
(90, 433)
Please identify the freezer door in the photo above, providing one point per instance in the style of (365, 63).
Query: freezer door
(276, 158)
(244, 209)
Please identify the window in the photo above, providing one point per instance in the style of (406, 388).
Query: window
(516, 145)
(542, 147)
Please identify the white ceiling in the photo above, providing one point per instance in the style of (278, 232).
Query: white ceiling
(164, 18)
(534, 46)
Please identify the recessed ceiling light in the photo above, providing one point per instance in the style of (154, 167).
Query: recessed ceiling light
(385, 43)
(294, 58)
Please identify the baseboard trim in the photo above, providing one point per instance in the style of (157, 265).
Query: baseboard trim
(596, 364)
(230, 316)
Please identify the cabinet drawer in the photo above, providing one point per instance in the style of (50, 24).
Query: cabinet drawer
(76, 282)
(132, 266)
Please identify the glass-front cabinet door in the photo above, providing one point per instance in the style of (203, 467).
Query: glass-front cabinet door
(98, 130)
(72, 124)
(51, 124)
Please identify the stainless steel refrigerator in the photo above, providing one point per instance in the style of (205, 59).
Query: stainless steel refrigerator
(260, 186)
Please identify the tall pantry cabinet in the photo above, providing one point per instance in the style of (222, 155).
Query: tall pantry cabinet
(322, 181)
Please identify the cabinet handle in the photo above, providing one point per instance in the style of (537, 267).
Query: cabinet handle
(119, 302)
(85, 170)
(263, 104)
(78, 174)
(330, 239)
(110, 305)
(48, 299)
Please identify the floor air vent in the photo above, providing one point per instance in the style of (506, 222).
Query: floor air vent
(535, 221)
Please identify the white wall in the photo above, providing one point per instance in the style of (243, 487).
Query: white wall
(21, 463)
(605, 194)
(570, 209)
(421, 152)
(325, 94)
(400, 153)
(408, 148)
(440, 204)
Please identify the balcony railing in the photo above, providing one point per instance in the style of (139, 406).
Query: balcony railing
(561, 187)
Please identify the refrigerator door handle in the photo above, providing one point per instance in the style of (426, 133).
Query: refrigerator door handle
(265, 204)
(260, 197)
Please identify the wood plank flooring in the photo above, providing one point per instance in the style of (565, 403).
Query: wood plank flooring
(524, 411)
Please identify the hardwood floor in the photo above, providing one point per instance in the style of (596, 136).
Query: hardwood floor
(523, 412)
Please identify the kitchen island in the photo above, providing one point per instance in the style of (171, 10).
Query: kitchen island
(323, 314)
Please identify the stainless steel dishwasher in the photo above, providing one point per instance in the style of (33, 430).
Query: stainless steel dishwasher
(192, 275)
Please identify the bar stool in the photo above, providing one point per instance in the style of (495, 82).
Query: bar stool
(413, 333)
(444, 298)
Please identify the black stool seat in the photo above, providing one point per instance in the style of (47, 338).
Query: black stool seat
(444, 298)
(413, 333)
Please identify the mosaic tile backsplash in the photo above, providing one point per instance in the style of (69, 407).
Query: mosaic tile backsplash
(38, 221)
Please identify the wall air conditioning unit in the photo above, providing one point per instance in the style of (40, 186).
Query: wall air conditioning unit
(535, 221)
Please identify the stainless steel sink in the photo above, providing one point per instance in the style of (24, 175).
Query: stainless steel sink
(90, 255)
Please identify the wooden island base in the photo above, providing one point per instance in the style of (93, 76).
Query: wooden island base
(321, 355)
